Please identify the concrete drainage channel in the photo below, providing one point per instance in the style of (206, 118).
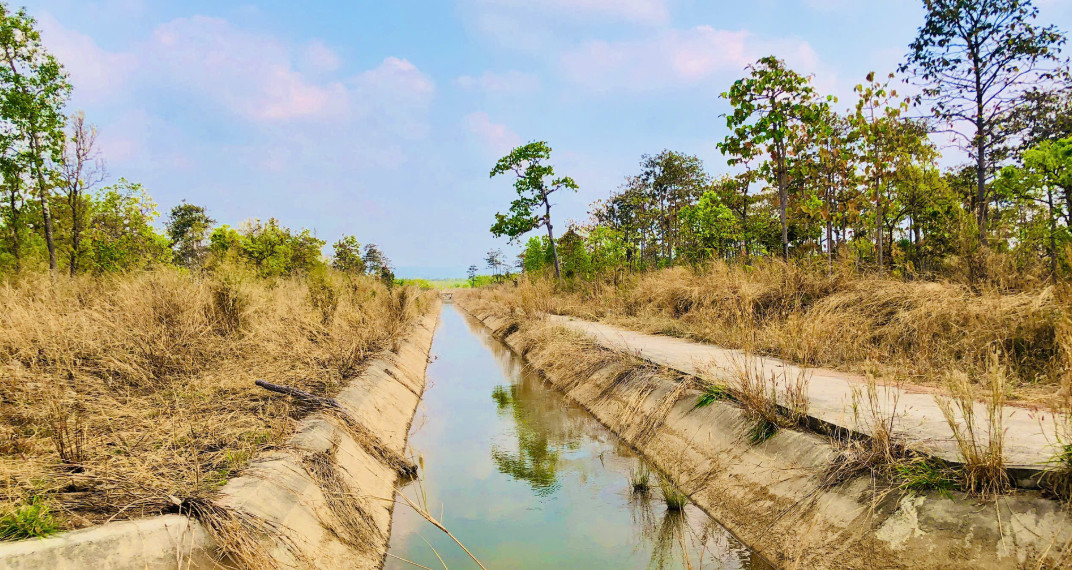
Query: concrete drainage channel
(771, 495)
(325, 500)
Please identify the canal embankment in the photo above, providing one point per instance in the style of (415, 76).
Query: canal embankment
(785, 496)
(324, 500)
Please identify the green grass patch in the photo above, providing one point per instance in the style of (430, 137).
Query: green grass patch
(761, 431)
(675, 500)
(28, 520)
(924, 476)
(713, 393)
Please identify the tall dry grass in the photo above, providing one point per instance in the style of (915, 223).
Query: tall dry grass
(122, 396)
(861, 322)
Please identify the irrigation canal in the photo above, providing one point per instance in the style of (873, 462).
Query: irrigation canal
(526, 479)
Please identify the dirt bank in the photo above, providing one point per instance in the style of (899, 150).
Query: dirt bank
(772, 494)
(324, 500)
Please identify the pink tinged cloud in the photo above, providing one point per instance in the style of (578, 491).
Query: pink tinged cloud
(249, 74)
(675, 58)
(496, 137)
(95, 72)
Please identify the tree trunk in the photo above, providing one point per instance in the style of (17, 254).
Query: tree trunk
(980, 150)
(15, 245)
(879, 247)
(551, 236)
(46, 211)
(783, 198)
(1053, 234)
(76, 232)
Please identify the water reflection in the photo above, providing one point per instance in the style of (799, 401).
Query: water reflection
(527, 479)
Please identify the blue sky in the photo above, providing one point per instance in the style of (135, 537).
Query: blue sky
(382, 119)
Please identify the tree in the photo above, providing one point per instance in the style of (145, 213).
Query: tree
(33, 91)
(377, 264)
(121, 234)
(346, 255)
(472, 273)
(187, 228)
(494, 259)
(974, 59)
(536, 182)
(1044, 114)
(771, 108)
(81, 169)
(671, 180)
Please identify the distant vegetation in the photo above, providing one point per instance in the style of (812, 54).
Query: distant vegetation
(860, 187)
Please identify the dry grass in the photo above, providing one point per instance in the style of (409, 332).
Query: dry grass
(981, 444)
(848, 320)
(122, 396)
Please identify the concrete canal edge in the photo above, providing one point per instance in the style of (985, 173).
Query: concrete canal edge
(323, 501)
(770, 495)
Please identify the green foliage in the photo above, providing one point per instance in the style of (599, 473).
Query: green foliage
(269, 248)
(761, 430)
(535, 183)
(187, 228)
(30, 520)
(974, 60)
(922, 476)
(120, 232)
(713, 393)
(346, 256)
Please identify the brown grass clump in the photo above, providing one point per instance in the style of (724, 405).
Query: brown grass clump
(120, 394)
(860, 322)
(981, 445)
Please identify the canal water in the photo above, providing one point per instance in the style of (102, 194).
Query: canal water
(526, 479)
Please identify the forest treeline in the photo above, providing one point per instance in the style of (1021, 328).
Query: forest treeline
(56, 212)
(861, 185)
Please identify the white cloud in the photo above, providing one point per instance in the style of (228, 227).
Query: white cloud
(638, 11)
(676, 58)
(496, 137)
(500, 83)
(320, 58)
(247, 73)
(94, 72)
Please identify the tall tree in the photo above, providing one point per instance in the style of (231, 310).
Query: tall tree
(535, 183)
(187, 228)
(770, 108)
(81, 170)
(346, 255)
(33, 91)
(974, 60)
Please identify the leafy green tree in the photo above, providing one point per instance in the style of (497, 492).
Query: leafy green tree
(575, 260)
(670, 181)
(187, 228)
(377, 263)
(535, 255)
(14, 202)
(772, 107)
(33, 91)
(974, 60)
(472, 273)
(269, 247)
(889, 146)
(121, 234)
(346, 255)
(535, 183)
(710, 227)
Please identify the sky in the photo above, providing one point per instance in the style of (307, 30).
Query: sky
(383, 119)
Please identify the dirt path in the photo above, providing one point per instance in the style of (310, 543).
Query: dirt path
(1030, 436)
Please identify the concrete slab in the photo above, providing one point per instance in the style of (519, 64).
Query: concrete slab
(1030, 436)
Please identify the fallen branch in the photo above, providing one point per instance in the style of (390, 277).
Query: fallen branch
(302, 395)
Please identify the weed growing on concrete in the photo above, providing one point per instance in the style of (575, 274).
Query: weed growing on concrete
(675, 500)
(919, 475)
(29, 520)
(981, 446)
(713, 393)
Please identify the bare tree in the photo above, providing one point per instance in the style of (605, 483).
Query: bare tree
(81, 170)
